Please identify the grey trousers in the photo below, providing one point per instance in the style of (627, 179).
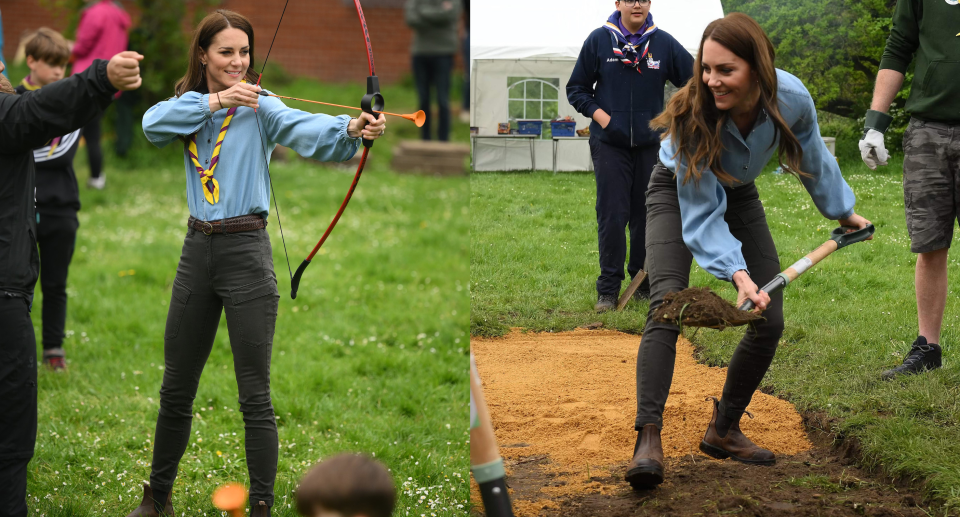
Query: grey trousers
(668, 263)
(232, 271)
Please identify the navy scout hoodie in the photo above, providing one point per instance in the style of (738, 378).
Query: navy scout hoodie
(601, 80)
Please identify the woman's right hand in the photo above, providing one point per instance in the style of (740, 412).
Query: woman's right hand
(748, 289)
(240, 94)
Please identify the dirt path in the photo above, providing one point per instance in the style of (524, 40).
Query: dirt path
(563, 407)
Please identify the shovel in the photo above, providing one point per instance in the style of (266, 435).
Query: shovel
(632, 288)
(701, 307)
(839, 238)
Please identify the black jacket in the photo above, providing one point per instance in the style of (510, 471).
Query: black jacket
(57, 191)
(27, 122)
(601, 80)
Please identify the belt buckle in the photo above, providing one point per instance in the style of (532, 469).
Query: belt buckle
(207, 227)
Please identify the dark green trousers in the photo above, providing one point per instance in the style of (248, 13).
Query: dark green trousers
(217, 272)
(668, 263)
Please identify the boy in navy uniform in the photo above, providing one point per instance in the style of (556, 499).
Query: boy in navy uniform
(618, 82)
(58, 198)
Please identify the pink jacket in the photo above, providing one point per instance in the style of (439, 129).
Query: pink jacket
(101, 34)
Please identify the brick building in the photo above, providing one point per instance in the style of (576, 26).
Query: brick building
(318, 38)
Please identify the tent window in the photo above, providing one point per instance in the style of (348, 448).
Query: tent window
(533, 98)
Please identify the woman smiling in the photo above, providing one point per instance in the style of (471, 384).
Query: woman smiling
(720, 132)
(227, 261)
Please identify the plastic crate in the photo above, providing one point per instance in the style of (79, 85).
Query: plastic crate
(563, 128)
(530, 127)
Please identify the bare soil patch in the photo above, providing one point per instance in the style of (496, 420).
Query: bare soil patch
(563, 407)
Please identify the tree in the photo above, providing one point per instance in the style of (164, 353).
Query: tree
(833, 46)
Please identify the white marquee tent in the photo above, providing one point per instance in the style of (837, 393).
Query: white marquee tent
(522, 53)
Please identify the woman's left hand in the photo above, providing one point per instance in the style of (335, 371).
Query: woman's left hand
(856, 221)
(367, 126)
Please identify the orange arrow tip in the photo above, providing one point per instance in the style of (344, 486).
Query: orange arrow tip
(420, 118)
(230, 497)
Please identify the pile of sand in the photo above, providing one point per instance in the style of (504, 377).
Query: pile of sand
(572, 396)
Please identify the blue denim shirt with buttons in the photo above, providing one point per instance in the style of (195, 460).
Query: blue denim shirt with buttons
(703, 204)
(242, 170)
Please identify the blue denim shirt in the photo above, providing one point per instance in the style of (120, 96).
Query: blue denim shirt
(703, 205)
(241, 171)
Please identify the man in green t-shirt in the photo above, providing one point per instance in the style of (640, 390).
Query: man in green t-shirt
(931, 146)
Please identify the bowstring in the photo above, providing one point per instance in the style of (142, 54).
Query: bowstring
(263, 146)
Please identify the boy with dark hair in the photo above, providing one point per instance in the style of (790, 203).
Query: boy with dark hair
(57, 196)
(618, 82)
(347, 485)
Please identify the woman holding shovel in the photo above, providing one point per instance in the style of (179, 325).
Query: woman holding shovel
(720, 131)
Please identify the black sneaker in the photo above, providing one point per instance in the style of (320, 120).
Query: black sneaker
(605, 302)
(922, 357)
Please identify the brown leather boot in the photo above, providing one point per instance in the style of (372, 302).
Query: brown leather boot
(147, 509)
(260, 510)
(734, 445)
(646, 468)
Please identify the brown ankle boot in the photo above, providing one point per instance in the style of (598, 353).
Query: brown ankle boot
(147, 509)
(734, 445)
(646, 468)
(260, 510)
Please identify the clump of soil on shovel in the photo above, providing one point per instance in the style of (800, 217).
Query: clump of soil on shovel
(701, 307)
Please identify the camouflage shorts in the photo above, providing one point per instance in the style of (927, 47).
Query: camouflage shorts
(931, 183)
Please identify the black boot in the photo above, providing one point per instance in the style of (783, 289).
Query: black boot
(605, 302)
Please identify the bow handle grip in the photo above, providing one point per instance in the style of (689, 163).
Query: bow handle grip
(371, 102)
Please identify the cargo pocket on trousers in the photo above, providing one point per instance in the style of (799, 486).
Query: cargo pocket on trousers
(255, 306)
(755, 221)
(178, 304)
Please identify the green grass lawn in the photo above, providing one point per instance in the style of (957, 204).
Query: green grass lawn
(534, 266)
(370, 357)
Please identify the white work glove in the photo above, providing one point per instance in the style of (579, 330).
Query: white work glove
(872, 150)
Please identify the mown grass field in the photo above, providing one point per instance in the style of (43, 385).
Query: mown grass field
(534, 265)
(371, 356)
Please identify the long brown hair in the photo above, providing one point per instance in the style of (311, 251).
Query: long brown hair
(692, 120)
(210, 26)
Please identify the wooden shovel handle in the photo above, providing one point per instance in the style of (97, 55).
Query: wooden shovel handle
(791, 273)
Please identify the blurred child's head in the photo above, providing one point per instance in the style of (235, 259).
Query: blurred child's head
(47, 55)
(347, 485)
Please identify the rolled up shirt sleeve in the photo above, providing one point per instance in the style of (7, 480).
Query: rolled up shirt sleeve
(705, 232)
(312, 135)
(166, 121)
(825, 184)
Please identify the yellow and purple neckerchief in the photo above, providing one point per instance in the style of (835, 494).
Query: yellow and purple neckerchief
(622, 48)
(30, 87)
(211, 189)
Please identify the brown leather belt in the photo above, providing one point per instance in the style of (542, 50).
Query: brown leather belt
(243, 223)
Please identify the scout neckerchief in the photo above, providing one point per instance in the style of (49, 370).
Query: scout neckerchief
(623, 49)
(211, 189)
(30, 87)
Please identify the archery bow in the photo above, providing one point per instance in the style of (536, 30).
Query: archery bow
(371, 102)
